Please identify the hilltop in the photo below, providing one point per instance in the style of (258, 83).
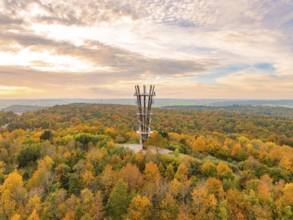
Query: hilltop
(20, 109)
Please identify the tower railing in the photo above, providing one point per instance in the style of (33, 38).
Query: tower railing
(144, 101)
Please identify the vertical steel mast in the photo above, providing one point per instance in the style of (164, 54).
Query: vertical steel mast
(144, 104)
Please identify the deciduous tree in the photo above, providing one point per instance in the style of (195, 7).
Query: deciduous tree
(140, 208)
(118, 201)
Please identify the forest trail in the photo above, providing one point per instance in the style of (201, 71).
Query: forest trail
(137, 147)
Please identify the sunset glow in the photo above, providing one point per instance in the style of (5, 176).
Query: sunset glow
(189, 49)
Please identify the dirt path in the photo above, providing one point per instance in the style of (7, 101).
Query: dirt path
(137, 147)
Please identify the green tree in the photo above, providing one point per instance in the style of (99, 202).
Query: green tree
(170, 172)
(62, 173)
(46, 135)
(119, 201)
(157, 140)
(28, 153)
(84, 139)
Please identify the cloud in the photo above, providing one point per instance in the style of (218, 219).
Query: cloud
(54, 45)
(258, 81)
(11, 91)
(58, 55)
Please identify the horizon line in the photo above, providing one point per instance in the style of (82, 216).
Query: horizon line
(231, 99)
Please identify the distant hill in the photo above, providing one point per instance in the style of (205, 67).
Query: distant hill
(20, 109)
(282, 112)
(158, 102)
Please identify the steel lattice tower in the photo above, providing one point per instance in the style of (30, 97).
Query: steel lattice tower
(144, 104)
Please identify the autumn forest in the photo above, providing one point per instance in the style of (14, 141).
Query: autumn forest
(68, 162)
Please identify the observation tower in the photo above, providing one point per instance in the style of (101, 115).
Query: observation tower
(144, 101)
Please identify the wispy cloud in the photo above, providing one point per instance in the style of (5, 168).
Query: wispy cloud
(87, 47)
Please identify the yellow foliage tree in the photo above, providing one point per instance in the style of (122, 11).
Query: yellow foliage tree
(87, 178)
(97, 209)
(214, 186)
(42, 176)
(286, 163)
(12, 195)
(236, 204)
(199, 144)
(15, 217)
(34, 203)
(182, 173)
(208, 169)
(140, 208)
(152, 179)
(34, 216)
(204, 205)
(87, 199)
(168, 208)
(224, 171)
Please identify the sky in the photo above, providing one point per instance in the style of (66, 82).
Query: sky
(190, 49)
